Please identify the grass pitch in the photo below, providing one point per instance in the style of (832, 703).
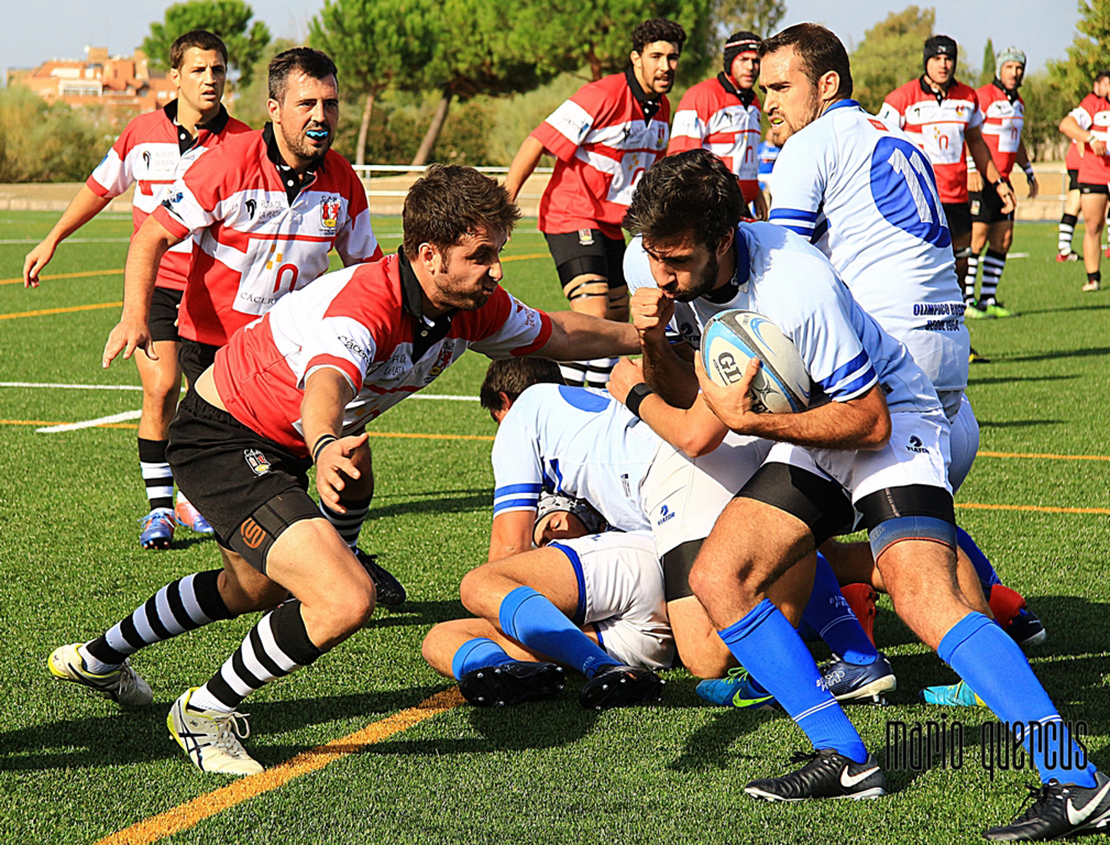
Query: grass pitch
(73, 768)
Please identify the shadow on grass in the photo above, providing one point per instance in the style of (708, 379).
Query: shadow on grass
(416, 613)
(437, 502)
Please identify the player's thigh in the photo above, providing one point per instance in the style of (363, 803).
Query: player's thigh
(963, 443)
(160, 376)
(590, 266)
(1093, 201)
(311, 560)
(549, 571)
(244, 589)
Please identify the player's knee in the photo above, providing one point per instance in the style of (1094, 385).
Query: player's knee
(474, 592)
(351, 607)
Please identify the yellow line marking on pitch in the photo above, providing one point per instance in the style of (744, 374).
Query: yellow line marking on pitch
(80, 275)
(1045, 456)
(1035, 508)
(523, 257)
(60, 310)
(204, 806)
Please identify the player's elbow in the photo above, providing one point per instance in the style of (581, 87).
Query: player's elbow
(877, 434)
(697, 444)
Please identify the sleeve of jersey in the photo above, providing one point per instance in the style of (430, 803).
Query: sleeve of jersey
(189, 205)
(112, 176)
(356, 242)
(893, 110)
(341, 343)
(566, 128)
(511, 329)
(977, 117)
(1084, 118)
(832, 351)
(800, 181)
(688, 130)
(517, 475)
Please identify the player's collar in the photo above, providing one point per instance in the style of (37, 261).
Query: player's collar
(292, 183)
(648, 104)
(726, 293)
(185, 141)
(942, 92)
(426, 331)
(745, 95)
(841, 104)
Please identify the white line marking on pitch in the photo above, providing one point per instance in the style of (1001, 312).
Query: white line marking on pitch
(114, 418)
(440, 396)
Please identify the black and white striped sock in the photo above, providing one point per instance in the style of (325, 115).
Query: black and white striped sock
(275, 647)
(183, 605)
(350, 523)
(592, 373)
(1066, 231)
(993, 265)
(969, 279)
(156, 473)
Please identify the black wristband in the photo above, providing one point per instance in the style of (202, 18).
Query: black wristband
(322, 441)
(636, 395)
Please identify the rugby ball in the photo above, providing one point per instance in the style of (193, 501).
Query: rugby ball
(732, 338)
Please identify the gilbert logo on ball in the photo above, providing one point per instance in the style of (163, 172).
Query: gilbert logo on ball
(732, 338)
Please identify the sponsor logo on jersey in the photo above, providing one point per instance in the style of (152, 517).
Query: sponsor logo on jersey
(915, 445)
(665, 515)
(256, 461)
(354, 347)
(329, 212)
(252, 207)
(146, 157)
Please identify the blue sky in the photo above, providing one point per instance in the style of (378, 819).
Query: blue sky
(44, 29)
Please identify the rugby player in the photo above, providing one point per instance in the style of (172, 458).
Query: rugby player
(604, 137)
(1086, 124)
(878, 448)
(851, 185)
(722, 115)
(298, 388)
(153, 151)
(1003, 118)
(587, 598)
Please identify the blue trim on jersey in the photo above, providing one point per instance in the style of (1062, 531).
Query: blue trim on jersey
(852, 379)
(793, 214)
(583, 399)
(841, 373)
(516, 505)
(805, 231)
(857, 387)
(843, 104)
(743, 257)
(517, 488)
(579, 617)
(600, 639)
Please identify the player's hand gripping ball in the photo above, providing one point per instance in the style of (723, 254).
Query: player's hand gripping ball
(732, 338)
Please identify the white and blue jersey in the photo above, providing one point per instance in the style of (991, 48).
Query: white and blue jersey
(865, 195)
(784, 278)
(577, 441)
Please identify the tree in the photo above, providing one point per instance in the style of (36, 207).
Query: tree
(374, 43)
(987, 74)
(758, 16)
(228, 19)
(1088, 54)
(890, 54)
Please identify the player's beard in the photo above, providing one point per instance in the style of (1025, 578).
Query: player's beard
(705, 281)
(790, 125)
(298, 144)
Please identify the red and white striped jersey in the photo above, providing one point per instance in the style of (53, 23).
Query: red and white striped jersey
(1093, 114)
(603, 146)
(148, 152)
(359, 321)
(938, 127)
(714, 116)
(1072, 159)
(1002, 123)
(252, 245)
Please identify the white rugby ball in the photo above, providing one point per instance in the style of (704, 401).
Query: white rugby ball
(732, 338)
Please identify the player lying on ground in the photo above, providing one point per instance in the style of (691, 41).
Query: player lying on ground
(588, 600)
(877, 448)
(298, 388)
(584, 443)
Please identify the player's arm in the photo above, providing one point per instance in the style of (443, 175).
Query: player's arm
(667, 367)
(981, 153)
(511, 533)
(523, 165)
(694, 431)
(1070, 127)
(859, 423)
(1023, 162)
(326, 394)
(143, 257)
(577, 336)
(760, 203)
(83, 208)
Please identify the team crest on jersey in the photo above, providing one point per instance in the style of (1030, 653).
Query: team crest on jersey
(661, 141)
(329, 212)
(585, 237)
(256, 461)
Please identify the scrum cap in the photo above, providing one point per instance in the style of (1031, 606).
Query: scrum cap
(940, 45)
(740, 42)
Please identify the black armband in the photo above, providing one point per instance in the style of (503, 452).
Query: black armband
(635, 396)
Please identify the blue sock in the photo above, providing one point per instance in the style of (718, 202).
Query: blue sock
(532, 620)
(477, 653)
(987, 576)
(767, 645)
(994, 666)
(828, 613)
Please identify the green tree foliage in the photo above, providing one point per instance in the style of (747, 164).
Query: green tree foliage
(229, 19)
(890, 54)
(758, 16)
(1045, 106)
(48, 143)
(1088, 54)
(374, 43)
(986, 75)
(250, 99)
